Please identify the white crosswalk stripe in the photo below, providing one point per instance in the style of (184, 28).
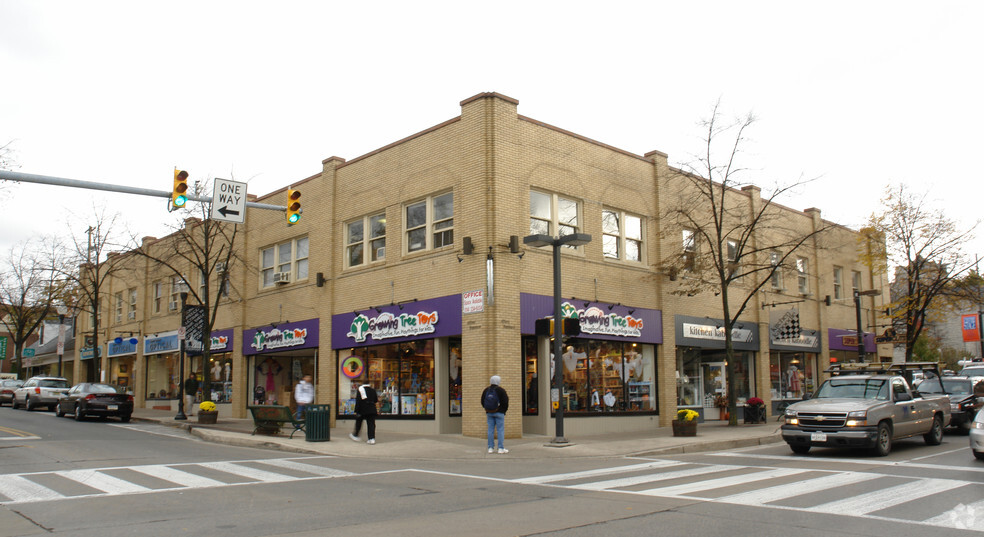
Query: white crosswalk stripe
(701, 481)
(26, 488)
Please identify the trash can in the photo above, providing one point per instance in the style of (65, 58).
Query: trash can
(317, 423)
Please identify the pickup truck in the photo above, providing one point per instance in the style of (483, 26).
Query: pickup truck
(865, 408)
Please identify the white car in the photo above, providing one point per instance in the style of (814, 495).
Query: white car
(977, 435)
(40, 391)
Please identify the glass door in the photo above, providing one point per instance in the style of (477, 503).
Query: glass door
(714, 385)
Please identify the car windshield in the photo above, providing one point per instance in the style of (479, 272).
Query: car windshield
(953, 386)
(976, 371)
(45, 383)
(101, 388)
(856, 388)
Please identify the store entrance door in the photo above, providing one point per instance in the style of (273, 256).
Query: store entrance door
(715, 384)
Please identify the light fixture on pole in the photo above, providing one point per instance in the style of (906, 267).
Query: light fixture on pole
(857, 309)
(537, 241)
(62, 310)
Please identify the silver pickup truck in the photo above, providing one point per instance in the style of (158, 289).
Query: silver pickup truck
(865, 409)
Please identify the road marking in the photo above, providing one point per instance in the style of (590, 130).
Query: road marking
(174, 475)
(159, 430)
(968, 517)
(246, 471)
(100, 481)
(870, 502)
(20, 489)
(600, 471)
(712, 484)
(308, 468)
(806, 486)
(18, 433)
(652, 478)
(866, 462)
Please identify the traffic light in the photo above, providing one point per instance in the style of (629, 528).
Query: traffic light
(293, 206)
(569, 327)
(178, 193)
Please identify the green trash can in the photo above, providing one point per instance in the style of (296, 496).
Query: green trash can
(317, 423)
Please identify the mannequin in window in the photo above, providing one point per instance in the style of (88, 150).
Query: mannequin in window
(270, 368)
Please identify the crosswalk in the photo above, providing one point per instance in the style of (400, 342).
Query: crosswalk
(102, 482)
(837, 492)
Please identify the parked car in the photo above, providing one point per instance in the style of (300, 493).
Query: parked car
(977, 435)
(966, 397)
(976, 370)
(91, 399)
(7, 387)
(40, 391)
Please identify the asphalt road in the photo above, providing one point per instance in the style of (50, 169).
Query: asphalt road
(111, 479)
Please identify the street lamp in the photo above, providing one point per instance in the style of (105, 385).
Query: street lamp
(62, 310)
(857, 309)
(537, 241)
(181, 359)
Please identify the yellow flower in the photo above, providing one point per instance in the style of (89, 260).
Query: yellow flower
(685, 414)
(206, 406)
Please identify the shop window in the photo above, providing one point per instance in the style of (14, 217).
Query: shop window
(802, 276)
(358, 240)
(838, 283)
(454, 377)
(621, 235)
(430, 223)
(554, 215)
(791, 375)
(531, 387)
(220, 376)
(401, 373)
(162, 377)
(284, 263)
(604, 376)
(274, 378)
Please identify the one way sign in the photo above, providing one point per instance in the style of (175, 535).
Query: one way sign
(229, 201)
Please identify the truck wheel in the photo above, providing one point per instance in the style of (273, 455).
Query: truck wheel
(883, 445)
(935, 435)
(800, 449)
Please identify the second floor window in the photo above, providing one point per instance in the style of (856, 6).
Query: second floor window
(802, 276)
(131, 313)
(622, 235)
(732, 257)
(287, 258)
(158, 296)
(776, 278)
(838, 283)
(554, 215)
(430, 223)
(177, 287)
(119, 307)
(366, 233)
(689, 250)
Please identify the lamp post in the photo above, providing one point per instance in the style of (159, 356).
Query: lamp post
(62, 310)
(181, 360)
(537, 241)
(857, 309)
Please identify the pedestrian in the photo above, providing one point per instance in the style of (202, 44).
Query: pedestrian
(365, 409)
(191, 389)
(495, 401)
(303, 396)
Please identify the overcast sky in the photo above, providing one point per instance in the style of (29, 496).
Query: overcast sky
(858, 94)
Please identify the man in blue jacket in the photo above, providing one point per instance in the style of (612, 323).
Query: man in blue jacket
(495, 401)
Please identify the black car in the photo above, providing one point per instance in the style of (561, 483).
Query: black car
(966, 397)
(91, 399)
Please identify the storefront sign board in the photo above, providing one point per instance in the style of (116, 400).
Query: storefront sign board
(432, 318)
(598, 320)
(285, 336)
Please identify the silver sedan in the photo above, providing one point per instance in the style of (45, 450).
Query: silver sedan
(977, 435)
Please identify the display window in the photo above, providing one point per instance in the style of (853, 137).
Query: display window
(454, 377)
(531, 387)
(162, 376)
(608, 376)
(120, 373)
(702, 380)
(220, 375)
(401, 373)
(274, 378)
(792, 374)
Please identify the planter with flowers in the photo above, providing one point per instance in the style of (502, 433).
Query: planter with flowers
(721, 401)
(754, 410)
(207, 413)
(686, 422)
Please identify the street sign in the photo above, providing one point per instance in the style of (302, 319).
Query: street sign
(229, 201)
(27, 353)
(3, 347)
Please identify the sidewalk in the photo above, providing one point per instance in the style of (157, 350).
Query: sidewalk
(711, 436)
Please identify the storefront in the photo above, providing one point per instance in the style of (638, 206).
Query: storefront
(278, 357)
(410, 354)
(161, 353)
(122, 353)
(609, 369)
(844, 346)
(219, 365)
(701, 364)
(793, 359)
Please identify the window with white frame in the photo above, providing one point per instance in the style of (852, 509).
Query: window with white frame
(776, 278)
(177, 287)
(689, 245)
(802, 276)
(288, 258)
(855, 282)
(554, 215)
(368, 232)
(621, 235)
(158, 296)
(430, 223)
(131, 312)
(119, 307)
(838, 283)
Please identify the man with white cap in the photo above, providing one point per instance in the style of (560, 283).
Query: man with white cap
(495, 401)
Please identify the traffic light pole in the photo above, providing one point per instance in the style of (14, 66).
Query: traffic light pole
(76, 183)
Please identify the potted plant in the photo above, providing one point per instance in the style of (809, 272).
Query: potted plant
(721, 401)
(686, 422)
(207, 413)
(754, 410)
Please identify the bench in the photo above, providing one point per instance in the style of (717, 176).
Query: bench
(272, 417)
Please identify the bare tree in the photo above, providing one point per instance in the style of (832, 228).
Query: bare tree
(208, 247)
(927, 249)
(27, 292)
(731, 246)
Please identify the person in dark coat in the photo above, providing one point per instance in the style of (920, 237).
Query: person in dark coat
(191, 389)
(365, 409)
(496, 417)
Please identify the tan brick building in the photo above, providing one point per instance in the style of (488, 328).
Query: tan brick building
(408, 271)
